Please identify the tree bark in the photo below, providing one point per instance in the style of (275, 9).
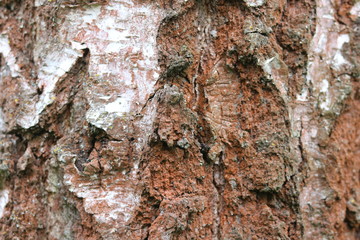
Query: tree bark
(181, 119)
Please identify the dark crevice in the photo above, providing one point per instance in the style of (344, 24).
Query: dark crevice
(81, 159)
(301, 149)
(204, 149)
(219, 183)
(95, 134)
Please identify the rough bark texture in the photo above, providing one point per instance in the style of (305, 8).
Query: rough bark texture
(180, 119)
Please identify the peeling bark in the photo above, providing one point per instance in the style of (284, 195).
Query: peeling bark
(179, 119)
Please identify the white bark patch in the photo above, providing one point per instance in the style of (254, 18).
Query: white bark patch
(54, 65)
(27, 117)
(112, 205)
(9, 57)
(121, 105)
(338, 59)
(4, 199)
(121, 37)
(2, 122)
(53, 62)
(324, 88)
(355, 11)
(325, 55)
(303, 95)
(278, 72)
(255, 3)
(115, 205)
(325, 61)
(39, 3)
(123, 70)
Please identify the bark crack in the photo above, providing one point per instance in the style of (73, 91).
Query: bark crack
(219, 182)
(301, 144)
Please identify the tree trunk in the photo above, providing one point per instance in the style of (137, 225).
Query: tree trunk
(181, 119)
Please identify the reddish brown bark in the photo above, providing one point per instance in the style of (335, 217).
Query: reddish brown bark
(179, 119)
